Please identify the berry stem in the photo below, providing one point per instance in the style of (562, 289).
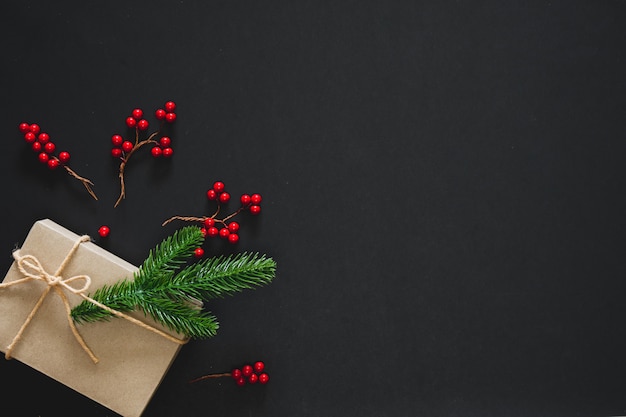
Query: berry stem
(202, 378)
(87, 183)
(125, 159)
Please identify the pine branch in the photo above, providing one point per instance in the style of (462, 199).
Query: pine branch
(168, 297)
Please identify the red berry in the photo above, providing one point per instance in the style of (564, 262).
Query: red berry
(104, 231)
(259, 366)
(30, 137)
(255, 199)
(143, 124)
(209, 221)
(24, 127)
(211, 194)
(236, 373)
(245, 199)
(246, 370)
(43, 158)
(170, 117)
(253, 378)
(52, 163)
(203, 231)
(37, 147)
(127, 146)
(170, 106)
(131, 122)
(116, 152)
(165, 142)
(224, 232)
(212, 231)
(241, 381)
(117, 140)
(218, 186)
(224, 197)
(233, 227)
(254, 209)
(43, 137)
(64, 157)
(156, 151)
(168, 152)
(264, 378)
(137, 113)
(160, 114)
(198, 253)
(49, 147)
(233, 238)
(34, 128)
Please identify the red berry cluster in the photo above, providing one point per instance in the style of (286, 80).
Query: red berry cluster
(225, 228)
(247, 374)
(41, 144)
(123, 148)
(250, 374)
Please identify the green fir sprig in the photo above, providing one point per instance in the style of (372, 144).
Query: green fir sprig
(168, 288)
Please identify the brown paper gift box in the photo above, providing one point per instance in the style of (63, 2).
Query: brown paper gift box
(132, 360)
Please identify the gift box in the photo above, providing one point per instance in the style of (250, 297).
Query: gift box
(132, 358)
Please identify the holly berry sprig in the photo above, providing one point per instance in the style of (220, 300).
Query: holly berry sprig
(224, 227)
(41, 144)
(124, 149)
(247, 374)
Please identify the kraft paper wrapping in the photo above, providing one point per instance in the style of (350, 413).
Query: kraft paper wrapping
(132, 360)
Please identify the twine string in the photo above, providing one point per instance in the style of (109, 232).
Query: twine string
(31, 269)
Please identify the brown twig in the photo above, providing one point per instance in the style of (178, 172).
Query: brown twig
(202, 378)
(125, 159)
(87, 183)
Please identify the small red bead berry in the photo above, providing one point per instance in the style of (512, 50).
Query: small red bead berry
(211, 194)
(127, 146)
(165, 142)
(241, 381)
(254, 209)
(137, 113)
(131, 122)
(258, 366)
(156, 151)
(43, 158)
(209, 221)
(168, 152)
(233, 227)
(49, 147)
(224, 197)
(245, 199)
(170, 106)
(104, 231)
(212, 231)
(24, 127)
(203, 231)
(37, 147)
(30, 137)
(253, 378)
(117, 140)
(116, 152)
(233, 238)
(160, 114)
(236, 373)
(143, 124)
(218, 186)
(224, 232)
(256, 199)
(198, 252)
(34, 128)
(170, 117)
(43, 137)
(264, 378)
(53, 163)
(64, 157)
(247, 370)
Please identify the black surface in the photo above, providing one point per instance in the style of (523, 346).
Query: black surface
(444, 194)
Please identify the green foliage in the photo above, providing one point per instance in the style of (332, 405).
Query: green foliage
(168, 288)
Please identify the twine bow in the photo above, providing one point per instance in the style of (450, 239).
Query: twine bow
(31, 269)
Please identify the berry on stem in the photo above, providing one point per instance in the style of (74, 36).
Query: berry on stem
(247, 374)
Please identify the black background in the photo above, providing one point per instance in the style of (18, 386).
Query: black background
(443, 190)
